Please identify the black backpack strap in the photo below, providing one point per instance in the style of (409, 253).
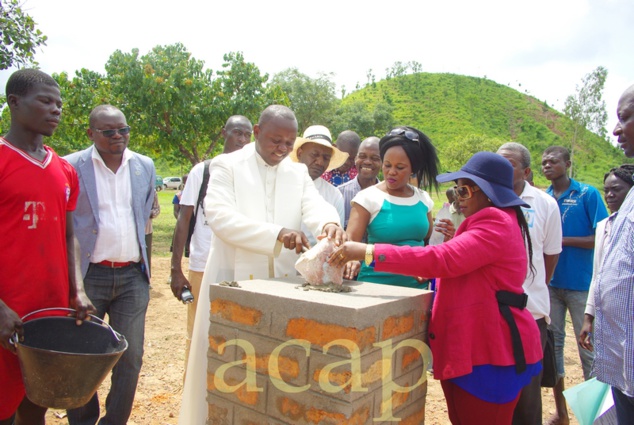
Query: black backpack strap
(199, 203)
(203, 187)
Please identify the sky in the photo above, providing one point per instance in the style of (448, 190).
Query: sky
(543, 48)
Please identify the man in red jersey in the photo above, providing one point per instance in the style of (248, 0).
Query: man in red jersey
(39, 192)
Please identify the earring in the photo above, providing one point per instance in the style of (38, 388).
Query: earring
(490, 201)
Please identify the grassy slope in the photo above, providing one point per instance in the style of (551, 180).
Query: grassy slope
(450, 107)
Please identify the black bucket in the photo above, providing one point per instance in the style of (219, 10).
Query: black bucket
(63, 364)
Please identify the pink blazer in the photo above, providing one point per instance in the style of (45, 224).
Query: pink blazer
(467, 329)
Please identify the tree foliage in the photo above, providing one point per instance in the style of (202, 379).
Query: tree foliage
(374, 120)
(312, 100)
(586, 108)
(168, 96)
(456, 153)
(80, 94)
(19, 36)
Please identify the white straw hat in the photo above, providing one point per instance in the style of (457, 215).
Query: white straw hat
(320, 135)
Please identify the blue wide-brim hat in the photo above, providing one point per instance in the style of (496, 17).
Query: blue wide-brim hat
(493, 174)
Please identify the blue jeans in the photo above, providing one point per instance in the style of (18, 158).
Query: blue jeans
(574, 302)
(624, 406)
(124, 295)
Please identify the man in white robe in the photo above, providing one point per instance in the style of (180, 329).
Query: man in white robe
(256, 202)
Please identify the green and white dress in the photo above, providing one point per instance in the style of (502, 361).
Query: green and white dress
(396, 221)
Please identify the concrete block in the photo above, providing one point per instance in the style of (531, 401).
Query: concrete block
(414, 414)
(407, 358)
(402, 326)
(233, 307)
(308, 408)
(220, 411)
(390, 402)
(370, 376)
(420, 392)
(245, 416)
(291, 359)
(232, 386)
(218, 335)
(325, 330)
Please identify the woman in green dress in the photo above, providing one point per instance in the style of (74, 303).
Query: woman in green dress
(394, 211)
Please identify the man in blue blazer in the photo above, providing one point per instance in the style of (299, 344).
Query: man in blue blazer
(116, 195)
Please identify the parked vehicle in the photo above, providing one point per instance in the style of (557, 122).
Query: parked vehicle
(158, 183)
(175, 183)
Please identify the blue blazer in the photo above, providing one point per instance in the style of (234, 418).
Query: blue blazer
(86, 215)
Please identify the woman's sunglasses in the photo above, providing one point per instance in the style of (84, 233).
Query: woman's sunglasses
(411, 135)
(464, 191)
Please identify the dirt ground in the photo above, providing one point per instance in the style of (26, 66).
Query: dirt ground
(160, 384)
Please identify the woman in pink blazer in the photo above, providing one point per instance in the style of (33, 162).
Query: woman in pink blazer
(485, 343)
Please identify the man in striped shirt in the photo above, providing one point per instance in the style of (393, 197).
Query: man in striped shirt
(614, 291)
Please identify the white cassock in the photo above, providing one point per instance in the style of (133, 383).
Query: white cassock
(247, 204)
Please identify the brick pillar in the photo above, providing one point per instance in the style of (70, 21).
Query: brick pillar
(281, 355)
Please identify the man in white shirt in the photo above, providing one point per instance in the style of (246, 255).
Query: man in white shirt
(544, 223)
(115, 200)
(255, 204)
(237, 133)
(316, 151)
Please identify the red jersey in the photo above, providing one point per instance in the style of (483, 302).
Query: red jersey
(34, 199)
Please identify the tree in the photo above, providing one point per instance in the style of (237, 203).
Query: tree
(586, 109)
(366, 122)
(417, 67)
(19, 36)
(454, 154)
(399, 69)
(171, 99)
(312, 100)
(80, 95)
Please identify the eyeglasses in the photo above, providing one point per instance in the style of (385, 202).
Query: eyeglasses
(464, 191)
(110, 133)
(411, 135)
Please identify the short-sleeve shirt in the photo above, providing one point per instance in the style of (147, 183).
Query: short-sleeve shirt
(201, 239)
(349, 190)
(544, 226)
(34, 200)
(337, 178)
(581, 208)
(397, 221)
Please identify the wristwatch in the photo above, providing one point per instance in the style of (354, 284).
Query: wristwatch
(369, 254)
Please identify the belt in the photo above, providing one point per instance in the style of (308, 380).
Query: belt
(115, 265)
(506, 300)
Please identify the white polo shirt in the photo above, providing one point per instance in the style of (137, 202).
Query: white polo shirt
(544, 223)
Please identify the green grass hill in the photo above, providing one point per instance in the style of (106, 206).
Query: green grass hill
(464, 114)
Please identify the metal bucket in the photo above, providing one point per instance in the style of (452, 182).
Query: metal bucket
(63, 364)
